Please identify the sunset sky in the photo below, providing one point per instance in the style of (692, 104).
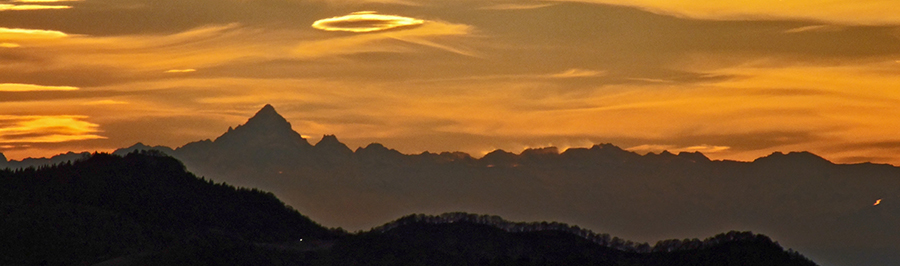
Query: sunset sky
(732, 79)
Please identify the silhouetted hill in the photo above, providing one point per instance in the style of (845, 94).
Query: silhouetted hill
(107, 206)
(466, 239)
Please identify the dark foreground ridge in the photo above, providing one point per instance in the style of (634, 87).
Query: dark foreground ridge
(468, 239)
(108, 206)
(146, 209)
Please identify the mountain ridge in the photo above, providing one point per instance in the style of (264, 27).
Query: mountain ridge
(268, 129)
(809, 202)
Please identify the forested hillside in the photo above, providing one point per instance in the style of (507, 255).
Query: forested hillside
(107, 206)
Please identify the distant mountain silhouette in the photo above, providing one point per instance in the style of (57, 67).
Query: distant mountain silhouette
(35, 162)
(267, 130)
(823, 209)
(145, 209)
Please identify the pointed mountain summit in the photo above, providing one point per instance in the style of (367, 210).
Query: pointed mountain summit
(269, 119)
(330, 150)
(266, 139)
(330, 143)
(265, 129)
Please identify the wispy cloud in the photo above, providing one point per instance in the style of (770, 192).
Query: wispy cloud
(15, 87)
(44, 1)
(364, 43)
(28, 34)
(840, 11)
(105, 102)
(811, 28)
(187, 70)
(517, 6)
(10, 7)
(657, 148)
(365, 21)
(17, 130)
(577, 73)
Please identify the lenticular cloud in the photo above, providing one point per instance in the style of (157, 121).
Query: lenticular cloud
(365, 21)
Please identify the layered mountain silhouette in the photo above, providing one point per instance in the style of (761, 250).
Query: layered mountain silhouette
(145, 209)
(822, 209)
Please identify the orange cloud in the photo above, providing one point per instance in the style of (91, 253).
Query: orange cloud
(365, 21)
(29, 34)
(656, 148)
(517, 6)
(16, 130)
(188, 70)
(374, 42)
(105, 102)
(44, 1)
(15, 87)
(577, 73)
(836, 11)
(7, 7)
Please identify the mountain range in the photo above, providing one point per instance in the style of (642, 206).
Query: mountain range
(822, 209)
(144, 208)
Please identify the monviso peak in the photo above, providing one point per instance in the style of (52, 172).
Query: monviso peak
(265, 136)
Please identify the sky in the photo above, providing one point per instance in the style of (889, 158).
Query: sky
(734, 80)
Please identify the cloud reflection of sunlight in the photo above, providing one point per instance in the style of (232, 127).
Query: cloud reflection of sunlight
(181, 70)
(46, 129)
(18, 34)
(365, 21)
(16, 87)
(8, 7)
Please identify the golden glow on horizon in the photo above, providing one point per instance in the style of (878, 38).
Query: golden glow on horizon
(16, 87)
(654, 148)
(45, 129)
(365, 21)
(7, 7)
